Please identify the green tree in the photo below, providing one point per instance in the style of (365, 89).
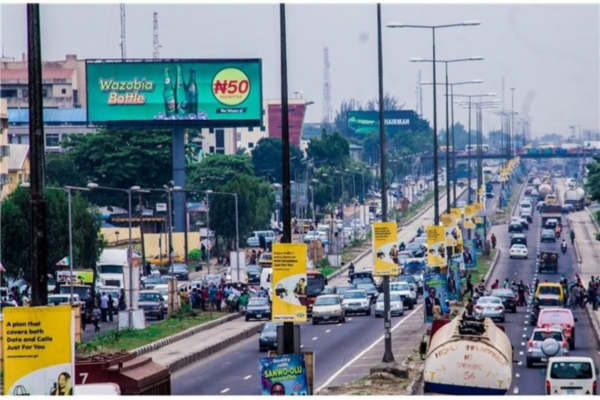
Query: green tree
(266, 158)
(16, 232)
(121, 159)
(593, 179)
(61, 170)
(217, 169)
(330, 149)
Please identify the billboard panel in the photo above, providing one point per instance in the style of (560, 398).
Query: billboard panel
(361, 123)
(189, 92)
(289, 282)
(385, 249)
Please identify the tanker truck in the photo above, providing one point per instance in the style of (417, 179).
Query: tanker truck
(576, 197)
(468, 356)
(544, 190)
(537, 182)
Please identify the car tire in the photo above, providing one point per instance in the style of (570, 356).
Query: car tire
(247, 318)
(377, 316)
(411, 306)
(529, 363)
(315, 322)
(514, 310)
(368, 314)
(510, 257)
(503, 319)
(261, 349)
(343, 320)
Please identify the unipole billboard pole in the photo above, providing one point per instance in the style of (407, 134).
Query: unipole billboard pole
(179, 206)
(388, 355)
(39, 238)
(288, 327)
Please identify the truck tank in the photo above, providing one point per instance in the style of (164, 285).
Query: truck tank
(544, 189)
(537, 182)
(469, 356)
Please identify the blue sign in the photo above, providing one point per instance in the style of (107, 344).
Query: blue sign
(470, 255)
(437, 284)
(284, 375)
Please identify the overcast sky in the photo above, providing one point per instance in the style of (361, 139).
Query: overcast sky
(549, 53)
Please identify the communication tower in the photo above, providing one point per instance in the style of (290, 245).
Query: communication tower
(123, 33)
(155, 42)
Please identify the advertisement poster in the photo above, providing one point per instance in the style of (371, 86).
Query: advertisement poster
(450, 227)
(385, 248)
(436, 244)
(458, 213)
(435, 295)
(289, 282)
(201, 91)
(283, 375)
(470, 212)
(453, 279)
(39, 351)
(361, 123)
(470, 255)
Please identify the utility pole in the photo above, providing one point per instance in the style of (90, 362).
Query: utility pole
(142, 232)
(388, 355)
(39, 238)
(286, 198)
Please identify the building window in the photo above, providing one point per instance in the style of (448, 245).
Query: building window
(8, 93)
(220, 139)
(211, 130)
(25, 93)
(250, 145)
(211, 149)
(221, 151)
(262, 129)
(45, 93)
(52, 139)
(63, 91)
(251, 129)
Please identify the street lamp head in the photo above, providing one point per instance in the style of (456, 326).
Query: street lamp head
(395, 25)
(92, 185)
(315, 181)
(208, 191)
(416, 59)
(491, 94)
(176, 188)
(477, 81)
(135, 188)
(472, 22)
(426, 83)
(25, 184)
(476, 58)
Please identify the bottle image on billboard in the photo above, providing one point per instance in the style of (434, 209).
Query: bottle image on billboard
(180, 94)
(169, 95)
(192, 92)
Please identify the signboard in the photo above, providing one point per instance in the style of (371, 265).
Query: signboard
(188, 92)
(361, 123)
(284, 375)
(38, 350)
(161, 207)
(470, 255)
(79, 276)
(385, 249)
(435, 292)
(289, 282)
(436, 253)
(470, 212)
(457, 212)
(449, 222)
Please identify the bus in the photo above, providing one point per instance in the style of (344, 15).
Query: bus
(314, 287)
(473, 148)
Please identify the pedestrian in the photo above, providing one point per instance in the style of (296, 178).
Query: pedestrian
(121, 304)
(496, 284)
(148, 269)
(262, 242)
(243, 301)
(506, 284)
(220, 298)
(469, 307)
(104, 306)
(213, 296)
(111, 308)
(573, 291)
(204, 298)
(521, 294)
(469, 286)
(96, 316)
(493, 239)
(572, 236)
(261, 292)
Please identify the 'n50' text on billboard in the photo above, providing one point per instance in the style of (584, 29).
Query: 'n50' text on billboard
(189, 92)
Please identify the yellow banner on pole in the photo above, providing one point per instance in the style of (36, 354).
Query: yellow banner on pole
(457, 212)
(289, 282)
(478, 207)
(449, 222)
(385, 248)
(470, 212)
(436, 243)
(39, 351)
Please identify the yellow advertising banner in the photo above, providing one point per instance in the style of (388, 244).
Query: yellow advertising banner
(457, 212)
(289, 282)
(436, 246)
(478, 220)
(385, 248)
(470, 212)
(478, 207)
(449, 222)
(39, 351)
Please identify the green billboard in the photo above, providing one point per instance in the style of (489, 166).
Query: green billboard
(186, 92)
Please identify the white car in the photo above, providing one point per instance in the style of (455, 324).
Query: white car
(327, 308)
(356, 301)
(402, 289)
(396, 306)
(518, 251)
(571, 376)
(356, 224)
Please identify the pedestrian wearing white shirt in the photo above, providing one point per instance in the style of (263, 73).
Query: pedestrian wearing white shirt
(104, 307)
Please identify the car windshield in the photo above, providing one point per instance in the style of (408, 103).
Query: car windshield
(503, 293)
(258, 302)
(253, 271)
(154, 279)
(180, 268)
(393, 297)
(540, 336)
(343, 289)
(549, 303)
(366, 286)
(555, 290)
(399, 287)
(571, 370)
(327, 301)
(548, 232)
(163, 290)
(270, 327)
(489, 300)
(355, 294)
(361, 281)
(408, 279)
(149, 297)
(556, 317)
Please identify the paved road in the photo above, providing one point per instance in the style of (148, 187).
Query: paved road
(344, 352)
(529, 381)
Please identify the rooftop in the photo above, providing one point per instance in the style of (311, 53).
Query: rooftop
(18, 155)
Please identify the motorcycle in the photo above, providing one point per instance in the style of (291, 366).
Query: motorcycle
(563, 248)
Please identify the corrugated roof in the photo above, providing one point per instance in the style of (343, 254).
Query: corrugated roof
(51, 115)
(17, 157)
(23, 74)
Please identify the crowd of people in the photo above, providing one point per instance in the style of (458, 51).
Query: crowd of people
(222, 297)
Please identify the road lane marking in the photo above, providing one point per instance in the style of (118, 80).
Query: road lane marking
(301, 346)
(224, 391)
(248, 377)
(339, 324)
(365, 351)
(315, 338)
(328, 330)
(349, 319)
(516, 390)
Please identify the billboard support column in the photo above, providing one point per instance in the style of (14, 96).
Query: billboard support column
(179, 178)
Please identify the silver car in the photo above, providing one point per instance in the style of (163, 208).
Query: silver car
(396, 305)
(490, 307)
(356, 301)
(545, 343)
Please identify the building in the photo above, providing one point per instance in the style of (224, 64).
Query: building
(4, 149)
(18, 165)
(63, 83)
(58, 124)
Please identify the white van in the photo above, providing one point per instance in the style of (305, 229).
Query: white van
(571, 376)
(254, 239)
(266, 280)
